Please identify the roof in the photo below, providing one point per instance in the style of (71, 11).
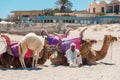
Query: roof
(115, 2)
(98, 2)
(27, 11)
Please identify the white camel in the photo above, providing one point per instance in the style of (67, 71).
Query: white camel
(33, 42)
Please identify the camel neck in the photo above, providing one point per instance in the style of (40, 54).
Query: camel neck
(104, 48)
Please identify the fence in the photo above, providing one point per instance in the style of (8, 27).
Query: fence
(70, 19)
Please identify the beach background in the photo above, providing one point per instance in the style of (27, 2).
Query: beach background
(106, 69)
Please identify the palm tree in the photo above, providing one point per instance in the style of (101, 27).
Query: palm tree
(65, 5)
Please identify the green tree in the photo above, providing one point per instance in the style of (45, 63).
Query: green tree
(64, 5)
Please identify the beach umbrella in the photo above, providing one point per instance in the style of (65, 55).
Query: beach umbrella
(11, 23)
(3, 22)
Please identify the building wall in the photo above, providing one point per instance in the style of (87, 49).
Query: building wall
(18, 14)
(78, 14)
(97, 6)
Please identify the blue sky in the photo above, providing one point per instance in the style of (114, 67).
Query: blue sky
(6, 6)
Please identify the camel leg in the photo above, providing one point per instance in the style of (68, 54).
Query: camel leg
(21, 58)
(36, 60)
(33, 61)
(38, 53)
(35, 57)
(91, 58)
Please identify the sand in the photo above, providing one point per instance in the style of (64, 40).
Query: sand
(106, 69)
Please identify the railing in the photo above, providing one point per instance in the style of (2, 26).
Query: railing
(81, 20)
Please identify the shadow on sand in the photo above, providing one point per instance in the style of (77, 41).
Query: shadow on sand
(29, 69)
(107, 63)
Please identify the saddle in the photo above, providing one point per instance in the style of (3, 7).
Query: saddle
(65, 45)
(15, 52)
(54, 40)
(7, 39)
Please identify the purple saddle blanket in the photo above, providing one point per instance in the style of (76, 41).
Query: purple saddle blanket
(65, 45)
(14, 49)
(15, 52)
(53, 39)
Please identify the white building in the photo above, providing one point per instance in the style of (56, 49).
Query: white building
(106, 6)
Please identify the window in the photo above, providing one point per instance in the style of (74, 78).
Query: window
(89, 10)
(25, 16)
(102, 9)
(93, 10)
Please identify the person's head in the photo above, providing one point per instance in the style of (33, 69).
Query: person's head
(73, 46)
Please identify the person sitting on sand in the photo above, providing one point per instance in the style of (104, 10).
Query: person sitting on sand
(73, 56)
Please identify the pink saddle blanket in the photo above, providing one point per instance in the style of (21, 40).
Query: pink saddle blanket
(65, 45)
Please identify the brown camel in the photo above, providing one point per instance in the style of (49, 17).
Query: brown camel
(60, 59)
(90, 56)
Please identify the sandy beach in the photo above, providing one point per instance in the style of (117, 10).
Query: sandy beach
(106, 69)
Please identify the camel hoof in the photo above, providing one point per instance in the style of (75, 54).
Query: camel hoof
(36, 65)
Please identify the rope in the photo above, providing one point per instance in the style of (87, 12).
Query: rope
(111, 53)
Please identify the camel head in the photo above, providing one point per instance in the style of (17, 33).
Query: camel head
(49, 50)
(44, 34)
(109, 39)
(89, 42)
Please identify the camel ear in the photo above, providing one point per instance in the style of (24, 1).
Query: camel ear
(46, 45)
(93, 41)
(105, 35)
(114, 39)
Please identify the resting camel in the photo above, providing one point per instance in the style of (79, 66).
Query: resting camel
(90, 56)
(48, 50)
(59, 58)
(7, 60)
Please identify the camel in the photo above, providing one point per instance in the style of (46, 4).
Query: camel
(89, 55)
(7, 60)
(13, 56)
(86, 46)
(59, 57)
(33, 42)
